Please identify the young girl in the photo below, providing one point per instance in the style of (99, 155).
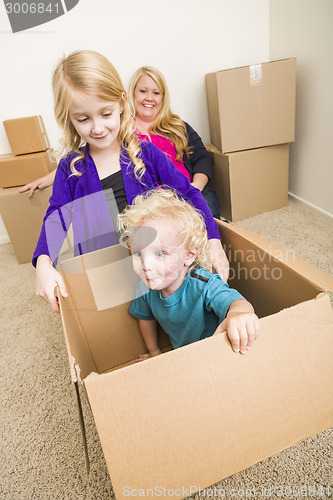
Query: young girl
(105, 168)
(168, 241)
(154, 121)
(149, 98)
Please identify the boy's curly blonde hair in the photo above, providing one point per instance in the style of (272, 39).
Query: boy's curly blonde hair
(159, 203)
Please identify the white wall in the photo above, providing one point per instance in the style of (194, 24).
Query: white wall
(185, 39)
(304, 29)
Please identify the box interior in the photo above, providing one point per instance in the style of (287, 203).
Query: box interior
(101, 339)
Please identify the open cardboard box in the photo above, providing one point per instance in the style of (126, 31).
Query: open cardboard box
(224, 410)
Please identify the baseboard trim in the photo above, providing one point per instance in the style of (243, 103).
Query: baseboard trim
(4, 239)
(315, 208)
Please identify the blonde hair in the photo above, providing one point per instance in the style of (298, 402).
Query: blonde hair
(94, 74)
(159, 203)
(167, 123)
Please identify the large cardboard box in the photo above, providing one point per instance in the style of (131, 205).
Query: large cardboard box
(20, 170)
(26, 135)
(252, 106)
(250, 182)
(23, 217)
(223, 410)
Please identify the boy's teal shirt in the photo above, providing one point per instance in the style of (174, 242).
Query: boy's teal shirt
(192, 312)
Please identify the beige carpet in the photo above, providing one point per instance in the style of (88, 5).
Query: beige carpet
(41, 449)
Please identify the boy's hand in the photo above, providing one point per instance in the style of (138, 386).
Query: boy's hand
(242, 329)
(152, 354)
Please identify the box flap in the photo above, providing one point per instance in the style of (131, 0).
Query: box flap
(310, 272)
(110, 275)
(225, 410)
(100, 332)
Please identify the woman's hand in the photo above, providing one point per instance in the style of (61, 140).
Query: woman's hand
(47, 278)
(40, 183)
(218, 258)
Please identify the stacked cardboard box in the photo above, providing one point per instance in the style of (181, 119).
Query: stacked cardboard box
(252, 121)
(20, 170)
(31, 158)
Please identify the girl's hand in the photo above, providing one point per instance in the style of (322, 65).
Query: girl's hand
(40, 183)
(242, 329)
(47, 278)
(218, 258)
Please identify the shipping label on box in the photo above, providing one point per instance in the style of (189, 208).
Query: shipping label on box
(26, 135)
(252, 106)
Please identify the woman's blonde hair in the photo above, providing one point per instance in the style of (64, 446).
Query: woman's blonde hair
(93, 73)
(159, 203)
(167, 123)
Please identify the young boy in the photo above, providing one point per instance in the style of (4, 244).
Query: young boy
(168, 241)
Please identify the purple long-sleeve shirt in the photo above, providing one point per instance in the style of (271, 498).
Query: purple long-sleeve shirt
(80, 200)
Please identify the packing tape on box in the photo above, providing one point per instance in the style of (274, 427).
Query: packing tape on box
(43, 131)
(255, 74)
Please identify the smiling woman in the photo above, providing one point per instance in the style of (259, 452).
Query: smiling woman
(148, 100)
(154, 121)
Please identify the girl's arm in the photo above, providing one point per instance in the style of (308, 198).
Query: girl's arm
(149, 332)
(168, 176)
(57, 218)
(55, 225)
(165, 174)
(219, 259)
